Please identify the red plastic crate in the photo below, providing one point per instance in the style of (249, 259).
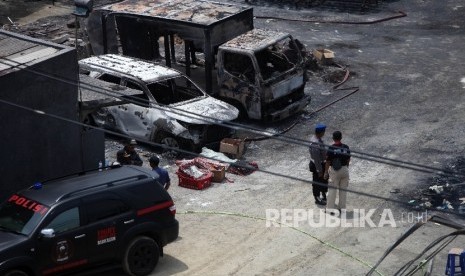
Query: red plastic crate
(200, 183)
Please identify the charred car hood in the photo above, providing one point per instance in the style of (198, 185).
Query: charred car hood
(203, 110)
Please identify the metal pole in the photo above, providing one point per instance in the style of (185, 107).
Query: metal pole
(75, 33)
(167, 50)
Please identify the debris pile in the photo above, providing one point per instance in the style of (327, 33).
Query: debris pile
(446, 191)
(57, 29)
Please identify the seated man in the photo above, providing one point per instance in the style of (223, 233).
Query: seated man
(128, 155)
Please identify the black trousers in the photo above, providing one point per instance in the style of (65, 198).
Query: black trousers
(318, 189)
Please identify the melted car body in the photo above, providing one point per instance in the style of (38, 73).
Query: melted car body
(165, 106)
(261, 72)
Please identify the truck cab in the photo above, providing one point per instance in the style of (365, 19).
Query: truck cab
(262, 73)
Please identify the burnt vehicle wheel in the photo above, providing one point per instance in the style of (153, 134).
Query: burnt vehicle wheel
(170, 142)
(141, 256)
(89, 120)
(16, 273)
(242, 112)
(110, 122)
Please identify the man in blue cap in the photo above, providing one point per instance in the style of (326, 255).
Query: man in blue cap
(317, 164)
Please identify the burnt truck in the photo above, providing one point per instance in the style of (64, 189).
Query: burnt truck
(260, 72)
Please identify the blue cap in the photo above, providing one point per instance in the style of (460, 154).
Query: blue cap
(320, 127)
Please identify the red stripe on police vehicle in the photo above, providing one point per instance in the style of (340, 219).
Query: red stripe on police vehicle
(156, 207)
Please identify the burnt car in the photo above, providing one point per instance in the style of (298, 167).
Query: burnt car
(167, 107)
(88, 222)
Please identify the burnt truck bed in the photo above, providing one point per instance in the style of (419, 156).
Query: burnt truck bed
(203, 25)
(95, 94)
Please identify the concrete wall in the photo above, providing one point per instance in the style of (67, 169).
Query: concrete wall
(35, 147)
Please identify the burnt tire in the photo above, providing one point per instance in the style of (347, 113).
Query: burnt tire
(16, 273)
(243, 115)
(141, 256)
(170, 142)
(169, 145)
(88, 121)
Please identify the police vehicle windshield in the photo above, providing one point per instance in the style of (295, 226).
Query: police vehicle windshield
(20, 214)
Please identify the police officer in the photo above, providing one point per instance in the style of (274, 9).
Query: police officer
(317, 164)
(337, 170)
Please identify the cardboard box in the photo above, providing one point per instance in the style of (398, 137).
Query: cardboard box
(324, 56)
(235, 147)
(219, 174)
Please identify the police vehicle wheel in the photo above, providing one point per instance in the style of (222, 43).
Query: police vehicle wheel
(141, 256)
(16, 273)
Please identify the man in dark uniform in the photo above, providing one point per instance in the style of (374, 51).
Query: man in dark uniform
(317, 164)
(128, 155)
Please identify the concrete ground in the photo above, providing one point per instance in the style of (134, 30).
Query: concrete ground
(409, 107)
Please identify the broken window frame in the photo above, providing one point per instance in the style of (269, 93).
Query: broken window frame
(282, 46)
(245, 75)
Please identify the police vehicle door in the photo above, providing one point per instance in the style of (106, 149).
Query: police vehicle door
(66, 249)
(108, 218)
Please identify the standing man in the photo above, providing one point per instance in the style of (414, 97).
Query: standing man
(164, 177)
(128, 155)
(337, 170)
(317, 164)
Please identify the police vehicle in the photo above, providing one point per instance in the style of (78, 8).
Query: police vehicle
(120, 215)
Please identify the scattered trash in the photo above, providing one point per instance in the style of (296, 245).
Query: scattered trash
(411, 201)
(446, 205)
(243, 168)
(436, 188)
(193, 171)
(252, 146)
(219, 156)
(428, 204)
(61, 39)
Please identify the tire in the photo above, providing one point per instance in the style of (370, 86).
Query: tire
(172, 144)
(242, 112)
(141, 256)
(16, 273)
(110, 122)
(88, 121)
